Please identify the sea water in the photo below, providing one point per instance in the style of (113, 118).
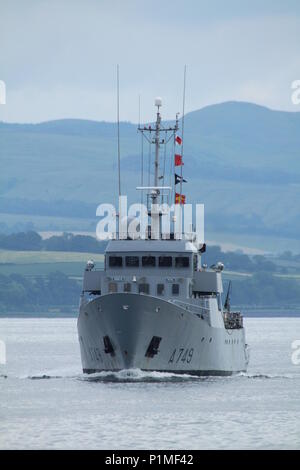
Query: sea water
(47, 403)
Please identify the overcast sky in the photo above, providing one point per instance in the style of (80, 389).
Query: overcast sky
(58, 57)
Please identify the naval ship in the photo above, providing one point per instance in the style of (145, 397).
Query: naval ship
(155, 306)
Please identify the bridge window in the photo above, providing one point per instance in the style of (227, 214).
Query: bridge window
(112, 287)
(132, 261)
(165, 261)
(182, 262)
(148, 261)
(115, 261)
(160, 289)
(127, 287)
(143, 288)
(175, 289)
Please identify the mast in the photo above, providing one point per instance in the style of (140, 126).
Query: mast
(118, 215)
(182, 132)
(155, 192)
(158, 103)
(118, 119)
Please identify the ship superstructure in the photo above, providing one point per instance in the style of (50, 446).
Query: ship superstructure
(155, 306)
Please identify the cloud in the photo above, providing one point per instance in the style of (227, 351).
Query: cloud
(60, 58)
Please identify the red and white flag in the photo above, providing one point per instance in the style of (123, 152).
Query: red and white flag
(178, 140)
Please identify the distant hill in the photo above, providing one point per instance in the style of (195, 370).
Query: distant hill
(241, 160)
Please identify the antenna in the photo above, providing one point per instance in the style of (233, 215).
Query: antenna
(227, 301)
(182, 133)
(139, 110)
(119, 163)
(118, 118)
(142, 152)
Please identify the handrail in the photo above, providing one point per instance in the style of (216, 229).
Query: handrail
(185, 236)
(189, 306)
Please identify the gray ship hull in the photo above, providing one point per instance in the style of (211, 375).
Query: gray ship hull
(186, 343)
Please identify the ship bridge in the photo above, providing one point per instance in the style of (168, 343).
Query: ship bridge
(163, 268)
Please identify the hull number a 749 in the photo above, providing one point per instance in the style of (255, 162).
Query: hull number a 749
(181, 355)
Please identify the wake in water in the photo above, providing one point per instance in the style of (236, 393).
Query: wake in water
(265, 376)
(140, 376)
(123, 376)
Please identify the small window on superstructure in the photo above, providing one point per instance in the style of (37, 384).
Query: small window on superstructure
(127, 287)
(148, 261)
(175, 289)
(160, 289)
(143, 288)
(132, 261)
(182, 262)
(115, 261)
(112, 287)
(165, 261)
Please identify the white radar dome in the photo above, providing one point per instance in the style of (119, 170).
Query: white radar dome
(158, 101)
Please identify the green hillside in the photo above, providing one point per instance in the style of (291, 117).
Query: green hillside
(241, 160)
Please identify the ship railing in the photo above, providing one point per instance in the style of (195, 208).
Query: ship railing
(200, 311)
(233, 320)
(189, 236)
